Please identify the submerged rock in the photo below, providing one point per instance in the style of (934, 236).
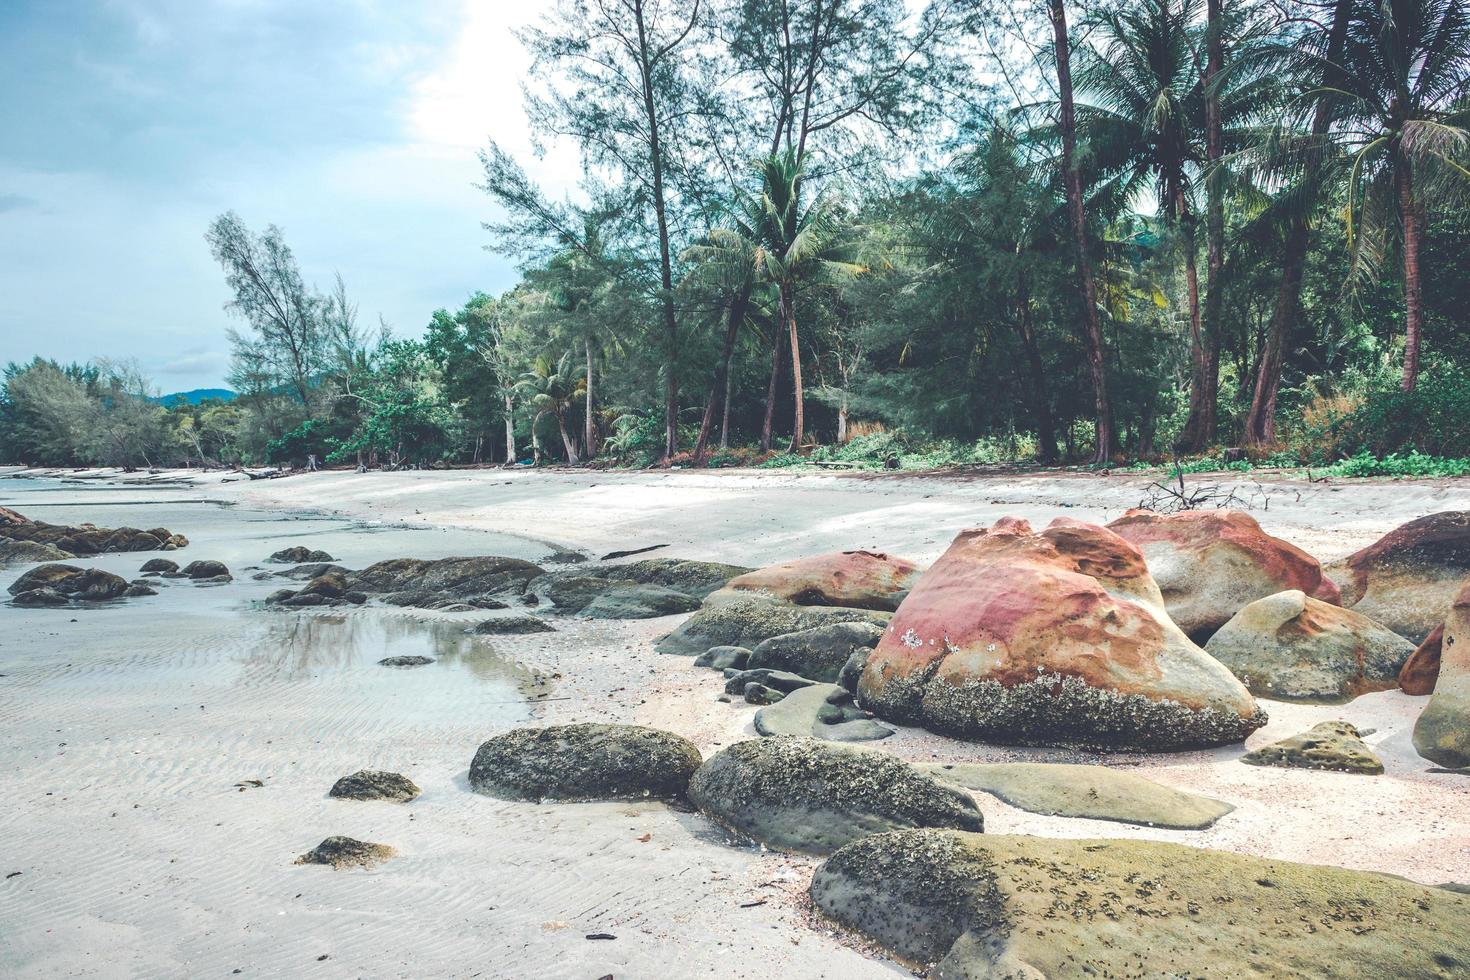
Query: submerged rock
(729, 618)
(1408, 578)
(855, 579)
(346, 852)
(372, 784)
(92, 584)
(40, 598)
(138, 590)
(584, 762)
(1089, 792)
(1210, 564)
(297, 554)
(801, 794)
(1057, 637)
(1331, 745)
(1442, 733)
(512, 626)
(974, 905)
(405, 661)
(1292, 647)
(823, 711)
(819, 653)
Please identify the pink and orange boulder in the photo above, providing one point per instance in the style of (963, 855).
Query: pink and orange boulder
(1408, 578)
(1421, 670)
(856, 579)
(1057, 637)
(1211, 564)
(1442, 733)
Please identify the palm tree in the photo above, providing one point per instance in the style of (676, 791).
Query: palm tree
(554, 388)
(1402, 109)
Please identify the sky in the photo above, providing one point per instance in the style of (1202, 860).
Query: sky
(352, 124)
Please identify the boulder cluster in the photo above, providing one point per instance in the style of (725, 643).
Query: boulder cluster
(83, 540)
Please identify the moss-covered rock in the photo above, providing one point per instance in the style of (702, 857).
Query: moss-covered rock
(732, 619)
(584, 762)
(297, 554)
(987, 906)
(1331, 745)
(819, 653)
(802, 794)
(454, 578)
(724, 658)
(14, 553)
(1090, 792)
(373, 784)
(347, 852)
(512, 626)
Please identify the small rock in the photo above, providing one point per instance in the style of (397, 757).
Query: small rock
(372, 784)
(512, 626)
(159, 565)
(346, 852)
(584, 762)
(1333, 745)
(724, 658)
(298, 554)
(206, 569)
(405, 661)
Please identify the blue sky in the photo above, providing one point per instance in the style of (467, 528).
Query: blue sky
(129, 124)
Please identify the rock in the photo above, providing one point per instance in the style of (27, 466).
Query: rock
(1408, 578)
(801, 794)
(639, 602)
(299, 553)
(855, 579)
(454, 578)
(724, 658)
(206, 569)
(1292, 647)
(1421, 671)
(157, 566)
(1057, 637)
(851, 673)
(86, 540)
(757, 693)
(1088, 792)
(985, 905)
(40, 598)
(1442, 733)
(731, 619)
(305, 573)
(345, 852)
(405, 661)
(639, 590)
(332, 585)
(823, 711)
(1210, 564)
(137, 590)
(371, 784)
(297, 600)
(511, 626)
(779, 680)
(91, 584)
(696, 578)
(1332, 745)
(14, 553)
(584, 762)
(819, 653)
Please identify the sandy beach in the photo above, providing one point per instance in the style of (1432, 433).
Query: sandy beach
(127, 730)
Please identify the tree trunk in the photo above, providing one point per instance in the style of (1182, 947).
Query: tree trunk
(1046, 436)
(1413, 225)
(1260, 424)
(725, 413)
(720, 385)
(510, 431)
(588, 429)
(665, 261)
(1087, 291)
(1206, 401)
(566, 439)
(788, 306)
(1192, 438)
(778, 347)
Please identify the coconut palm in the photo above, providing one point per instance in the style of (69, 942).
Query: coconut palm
(554, 388)
(1402, 112)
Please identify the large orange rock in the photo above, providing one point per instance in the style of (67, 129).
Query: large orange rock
(858, 579)
(1058, 637)
(1421, 670)
(1407, 579)
(1212, 564)
(1442, 733)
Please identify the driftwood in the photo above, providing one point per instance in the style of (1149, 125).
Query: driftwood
(1174, 496)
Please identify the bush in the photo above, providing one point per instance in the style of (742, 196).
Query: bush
(1407, 464)
(1431, 421)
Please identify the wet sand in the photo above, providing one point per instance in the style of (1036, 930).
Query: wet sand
(127, 729)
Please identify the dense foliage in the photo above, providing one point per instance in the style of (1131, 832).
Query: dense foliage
(885, 237)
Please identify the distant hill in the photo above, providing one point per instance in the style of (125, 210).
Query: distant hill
(195, 397)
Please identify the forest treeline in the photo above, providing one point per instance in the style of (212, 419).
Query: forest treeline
(849, 230)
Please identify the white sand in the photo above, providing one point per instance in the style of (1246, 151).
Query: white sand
(125, 732)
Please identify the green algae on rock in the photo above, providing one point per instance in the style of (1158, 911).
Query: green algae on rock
(584, 762)
(802, 794)
(966, 905)
(1331, 745)
(1090, 792)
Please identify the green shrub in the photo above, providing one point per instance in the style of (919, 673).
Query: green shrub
(1432, 421)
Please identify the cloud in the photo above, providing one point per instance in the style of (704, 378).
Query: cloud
(211, 363)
